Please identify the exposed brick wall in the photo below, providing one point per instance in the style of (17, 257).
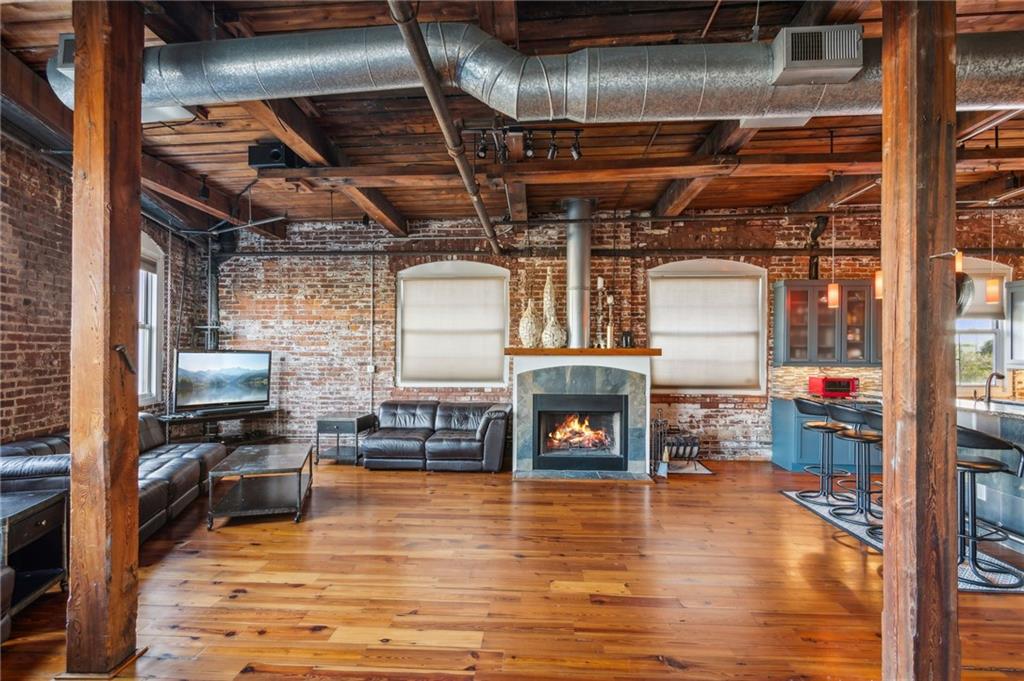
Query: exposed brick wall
(35, 294)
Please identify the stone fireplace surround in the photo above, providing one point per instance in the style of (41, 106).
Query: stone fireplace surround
(582, 372)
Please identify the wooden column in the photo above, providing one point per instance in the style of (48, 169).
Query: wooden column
(919, 620)
(104, 396)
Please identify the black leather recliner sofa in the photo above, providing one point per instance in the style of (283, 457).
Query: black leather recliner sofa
(171, 475)
(437, 436)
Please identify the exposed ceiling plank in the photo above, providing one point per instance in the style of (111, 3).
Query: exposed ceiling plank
(182, 22)
(840, 189)
(972, 123)
(864, 164)
(725, 138)
(499, 18)
(515, 193)
(827, 13)
(993, 191)
(32, 94)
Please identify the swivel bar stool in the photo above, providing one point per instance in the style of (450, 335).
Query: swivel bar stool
(860, 511)
(825, 469)
(968, 531)
(873, 420)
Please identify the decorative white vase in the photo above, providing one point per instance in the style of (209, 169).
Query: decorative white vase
(553, 335)
(529, 327)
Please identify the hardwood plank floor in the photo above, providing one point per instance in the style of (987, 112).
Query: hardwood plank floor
(407, 575)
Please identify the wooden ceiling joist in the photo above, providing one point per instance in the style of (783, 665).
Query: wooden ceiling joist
(614, 171)
(183, 22)
(515, 194)
(499, 18)
(970, 124)
(993, 191)
(33, 95)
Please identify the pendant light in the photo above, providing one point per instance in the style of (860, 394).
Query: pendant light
(878, 284)
(994, 284)
(958, 259)
(832, 292)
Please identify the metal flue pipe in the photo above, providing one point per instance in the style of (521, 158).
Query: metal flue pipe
(577, 271)
(404, 15)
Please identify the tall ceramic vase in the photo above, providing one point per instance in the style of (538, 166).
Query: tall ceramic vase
(553, 335)
(529, 327)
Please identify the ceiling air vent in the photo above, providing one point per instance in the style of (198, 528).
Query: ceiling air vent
(817, 54)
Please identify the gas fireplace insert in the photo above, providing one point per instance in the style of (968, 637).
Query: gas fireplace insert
(580, 432)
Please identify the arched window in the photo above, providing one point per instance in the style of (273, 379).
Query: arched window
(452, 324)
(979, 336)
(151, 304)
(709, 317)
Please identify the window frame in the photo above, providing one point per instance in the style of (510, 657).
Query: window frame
(450, 269)
(998, 333)
(706, 268)
(152, 254)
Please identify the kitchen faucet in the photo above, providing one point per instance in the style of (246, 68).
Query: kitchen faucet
(988, 385)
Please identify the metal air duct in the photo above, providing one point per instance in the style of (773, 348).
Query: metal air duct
(577, 272)
(592, 85)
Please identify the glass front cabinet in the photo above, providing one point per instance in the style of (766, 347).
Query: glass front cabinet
(1015, 325)
(808, 331)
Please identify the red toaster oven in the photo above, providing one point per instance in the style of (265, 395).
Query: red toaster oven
(832, 386)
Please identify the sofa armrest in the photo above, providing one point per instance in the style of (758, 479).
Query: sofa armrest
(27, 473)
(492, 431)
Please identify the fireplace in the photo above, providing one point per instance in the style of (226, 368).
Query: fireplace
(580, 432)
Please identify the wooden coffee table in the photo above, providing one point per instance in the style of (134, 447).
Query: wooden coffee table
(272, 479)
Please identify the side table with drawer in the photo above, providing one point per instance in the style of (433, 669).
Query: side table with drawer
(33, 548)
(345, 423)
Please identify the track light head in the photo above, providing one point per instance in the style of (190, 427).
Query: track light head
(552, 148)
(528, 144)
(481, 150)
(575, 150)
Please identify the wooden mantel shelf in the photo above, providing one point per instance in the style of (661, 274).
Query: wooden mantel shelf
(593, 352)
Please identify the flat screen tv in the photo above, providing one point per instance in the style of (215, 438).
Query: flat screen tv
(221, 379)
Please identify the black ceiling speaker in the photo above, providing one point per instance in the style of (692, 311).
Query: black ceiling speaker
(964, 292)
(273, 155)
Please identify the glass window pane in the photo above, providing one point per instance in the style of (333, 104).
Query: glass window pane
(975, 357)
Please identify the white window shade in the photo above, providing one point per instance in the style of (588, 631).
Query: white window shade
(711, 330)
(453, 330)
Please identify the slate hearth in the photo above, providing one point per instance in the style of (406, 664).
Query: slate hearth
(582, 379)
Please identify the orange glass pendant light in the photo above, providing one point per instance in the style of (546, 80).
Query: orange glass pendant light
(993, 291)
(994, 284)
(878, 284)
(958, 259)
(832, 295)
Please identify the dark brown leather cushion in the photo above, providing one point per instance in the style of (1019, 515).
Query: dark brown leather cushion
(451, 445)
(407, 414)
(37, 446)
(208, 454)
(151, 432)
(182, 475)
(395, 443)
(153, 498)
(460, 415)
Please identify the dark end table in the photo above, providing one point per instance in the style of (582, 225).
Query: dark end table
(271, 479)
(341, 423)
(33, 544)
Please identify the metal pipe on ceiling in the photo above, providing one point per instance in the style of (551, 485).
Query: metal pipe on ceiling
(592, 85)
(404, 15)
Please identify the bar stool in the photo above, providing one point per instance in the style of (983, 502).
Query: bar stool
(968, 532)
(860, 511)
(825, 470)
(873, 420)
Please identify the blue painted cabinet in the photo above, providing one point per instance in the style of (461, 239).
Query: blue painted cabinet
(1015, 325)
(809, 332)
(793, 447)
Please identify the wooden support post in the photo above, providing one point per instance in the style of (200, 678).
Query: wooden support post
(919, 615)
(104, 400)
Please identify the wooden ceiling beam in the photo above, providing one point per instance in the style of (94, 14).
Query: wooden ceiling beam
(726, 137)
(867, 165)
(993, 191)
(840, 189)
(828, 13)
(515, 194)
(283, 118)
(33, 95)
(500, 19)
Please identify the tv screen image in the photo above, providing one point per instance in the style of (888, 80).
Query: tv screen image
(220, 379)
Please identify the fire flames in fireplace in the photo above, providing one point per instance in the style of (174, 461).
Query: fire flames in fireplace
(576, 433)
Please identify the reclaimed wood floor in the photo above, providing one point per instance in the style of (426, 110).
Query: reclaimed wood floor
(406, 575)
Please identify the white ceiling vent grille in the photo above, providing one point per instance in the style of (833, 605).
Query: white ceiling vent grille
(817, 54)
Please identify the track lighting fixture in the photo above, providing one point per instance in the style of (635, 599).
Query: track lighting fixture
(575, 150)
(204, 191)
(481, 148)
(528, 144)
(552, 148)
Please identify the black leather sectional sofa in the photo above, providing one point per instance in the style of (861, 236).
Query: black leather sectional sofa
(171, 475)
(437, 436)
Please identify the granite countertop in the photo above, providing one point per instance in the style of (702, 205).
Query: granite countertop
(1010, 408)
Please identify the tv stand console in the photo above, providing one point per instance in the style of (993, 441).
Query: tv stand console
(208, 418)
